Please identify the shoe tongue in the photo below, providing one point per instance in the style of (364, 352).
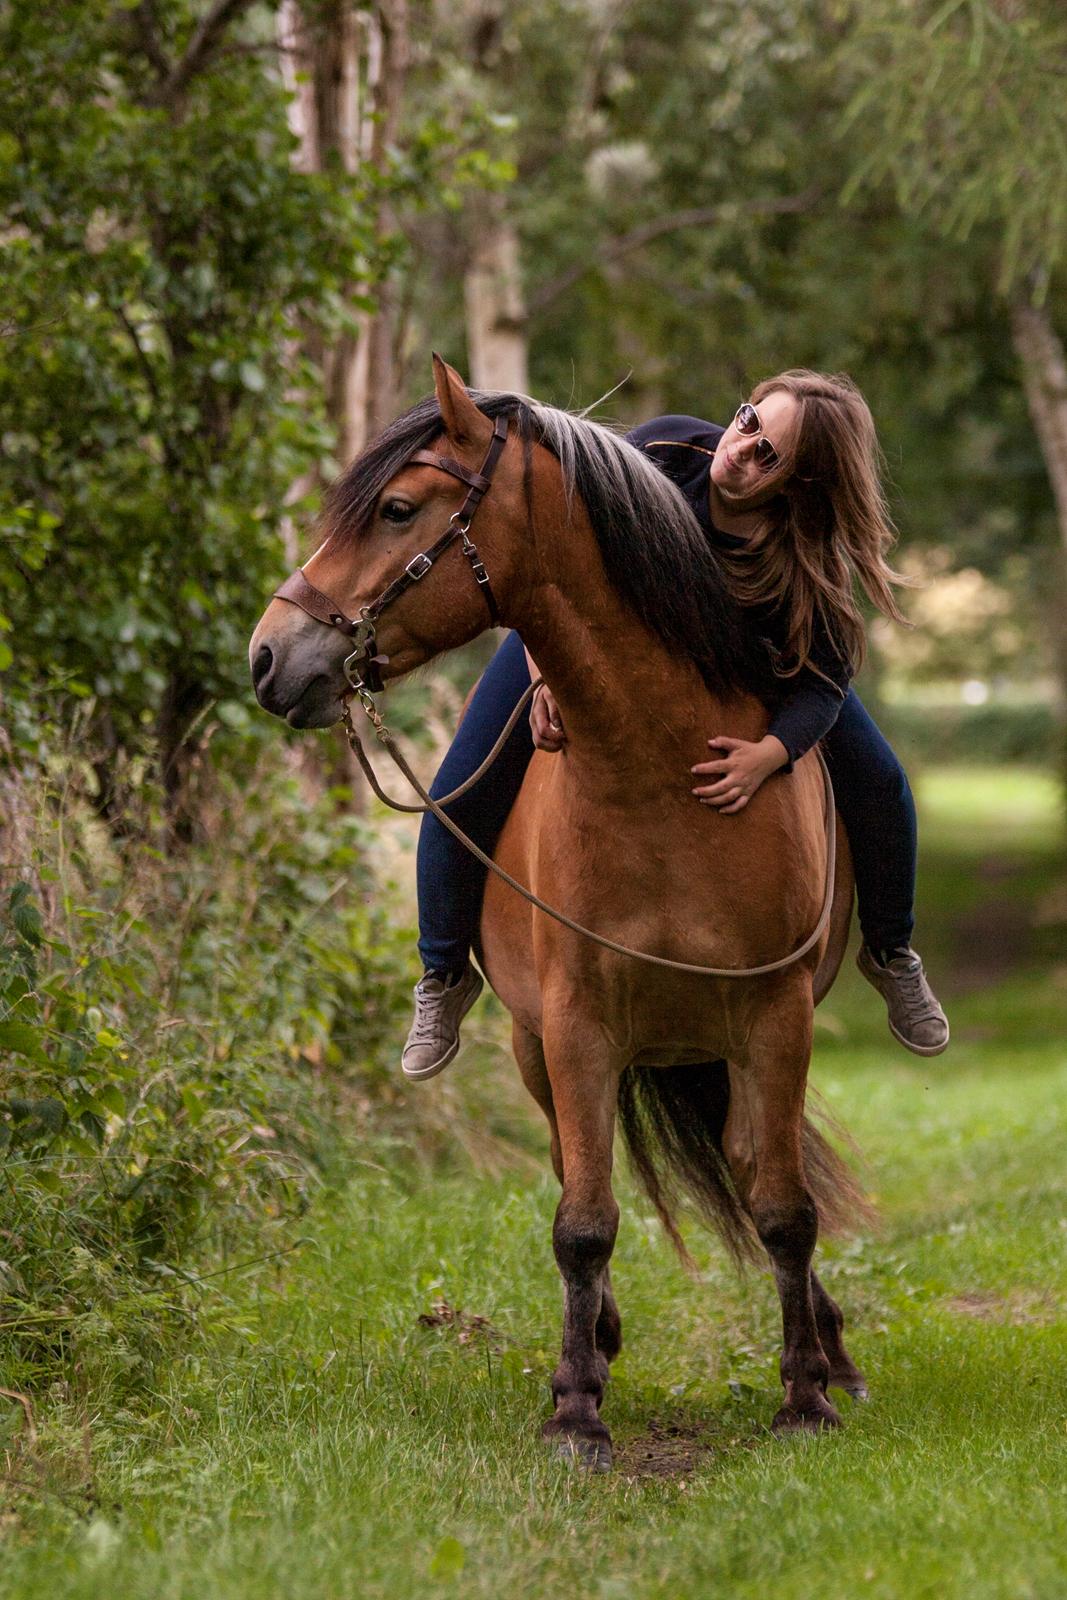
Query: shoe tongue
(903, 963)
(432, 985)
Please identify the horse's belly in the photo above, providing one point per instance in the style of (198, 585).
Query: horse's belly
(671, 1056)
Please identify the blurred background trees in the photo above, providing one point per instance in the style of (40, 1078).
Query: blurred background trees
(233, 230)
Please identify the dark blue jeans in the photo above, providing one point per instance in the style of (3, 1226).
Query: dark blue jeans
(872, 791)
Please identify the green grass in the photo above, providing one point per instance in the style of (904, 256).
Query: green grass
(328, 1445)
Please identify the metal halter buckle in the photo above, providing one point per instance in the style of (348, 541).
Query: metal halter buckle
(418, 566)
(477, 565)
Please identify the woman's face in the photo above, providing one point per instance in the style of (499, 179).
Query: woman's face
(736, 472)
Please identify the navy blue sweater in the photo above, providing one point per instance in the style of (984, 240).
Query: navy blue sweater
(682, 447)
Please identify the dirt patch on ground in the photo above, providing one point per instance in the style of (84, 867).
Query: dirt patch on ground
(1018, 1309)
(467, 1326)
(665, 1450)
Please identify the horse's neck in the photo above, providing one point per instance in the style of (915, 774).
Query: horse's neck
(625, 699)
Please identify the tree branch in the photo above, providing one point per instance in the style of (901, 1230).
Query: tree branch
(201, 47)
(146, 27)
(142, 358)
(674, 221)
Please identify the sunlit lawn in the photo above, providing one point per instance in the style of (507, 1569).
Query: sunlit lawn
(336, 1447)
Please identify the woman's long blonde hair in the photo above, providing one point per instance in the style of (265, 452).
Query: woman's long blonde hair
(828, 527)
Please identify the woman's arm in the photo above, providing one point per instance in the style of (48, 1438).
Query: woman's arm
(802, 719)
(808, 714)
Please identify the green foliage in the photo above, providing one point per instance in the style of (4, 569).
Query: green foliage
(158, 259)
(989, 735)
(164, 265)
(963, 111)
(686, 238)
(176, 1038)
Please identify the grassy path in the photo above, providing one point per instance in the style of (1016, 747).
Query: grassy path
(339, 1446)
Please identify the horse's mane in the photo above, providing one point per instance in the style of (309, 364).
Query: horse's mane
(654, 550)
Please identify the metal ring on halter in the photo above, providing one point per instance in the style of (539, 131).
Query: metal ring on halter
(353, 664)
(351, 672)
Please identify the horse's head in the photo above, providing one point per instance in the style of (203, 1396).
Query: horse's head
(387, 510)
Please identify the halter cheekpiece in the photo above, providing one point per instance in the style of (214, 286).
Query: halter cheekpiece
(363, 667)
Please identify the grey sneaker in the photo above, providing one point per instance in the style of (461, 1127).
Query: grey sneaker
(915, 1017)
(439, 1010)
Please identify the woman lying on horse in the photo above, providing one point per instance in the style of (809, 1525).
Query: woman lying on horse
(788, 496)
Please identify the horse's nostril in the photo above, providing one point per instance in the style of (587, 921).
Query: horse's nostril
(262, 664)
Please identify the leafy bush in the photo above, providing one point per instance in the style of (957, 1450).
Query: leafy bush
(178, 1034)
(979, 734)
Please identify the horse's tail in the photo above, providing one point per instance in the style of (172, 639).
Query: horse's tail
(672, 1122)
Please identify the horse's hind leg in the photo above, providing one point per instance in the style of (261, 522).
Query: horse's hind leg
(530, 1056)
(584, 1091)
(844, 1373)
(782, 1207)
(739, 1150)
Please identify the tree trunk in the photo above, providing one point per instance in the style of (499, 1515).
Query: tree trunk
(345, 69)
(1044, 372)
(497, 351)
(374, 397)
(321, 66)
(1044, 369)
(184, 699)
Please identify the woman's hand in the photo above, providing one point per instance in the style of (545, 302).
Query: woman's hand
(739, 772)
(546, 725)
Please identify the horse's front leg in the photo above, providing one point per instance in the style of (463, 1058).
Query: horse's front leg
(584, 1080)
(530, 1056)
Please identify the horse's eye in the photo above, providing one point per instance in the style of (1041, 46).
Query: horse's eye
(397, 511)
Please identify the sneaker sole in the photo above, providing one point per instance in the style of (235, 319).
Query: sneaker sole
(421, 1074)
(920, 1049)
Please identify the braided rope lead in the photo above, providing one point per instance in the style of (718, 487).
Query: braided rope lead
(436, 808)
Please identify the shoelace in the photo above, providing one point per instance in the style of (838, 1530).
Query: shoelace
(918, 1001)
(426, 1025)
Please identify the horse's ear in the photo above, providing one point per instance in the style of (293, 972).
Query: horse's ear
(464, 423)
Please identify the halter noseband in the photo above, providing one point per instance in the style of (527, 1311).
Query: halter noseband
(363, 667)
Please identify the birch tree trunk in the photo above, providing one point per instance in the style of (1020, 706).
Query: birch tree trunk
(321, 61)
(372, 394)
(1044, 371)
(329, 62)
(497, 343)
(1043, 362)
(346, 68)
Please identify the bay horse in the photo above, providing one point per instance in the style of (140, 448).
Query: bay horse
(593, 556)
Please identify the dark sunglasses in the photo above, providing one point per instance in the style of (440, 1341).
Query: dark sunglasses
(747, 421)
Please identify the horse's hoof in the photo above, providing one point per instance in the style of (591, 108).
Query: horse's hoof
(590, 1455)
(850, 1381)
(813, 1418)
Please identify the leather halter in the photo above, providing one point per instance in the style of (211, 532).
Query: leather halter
(363, 667)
